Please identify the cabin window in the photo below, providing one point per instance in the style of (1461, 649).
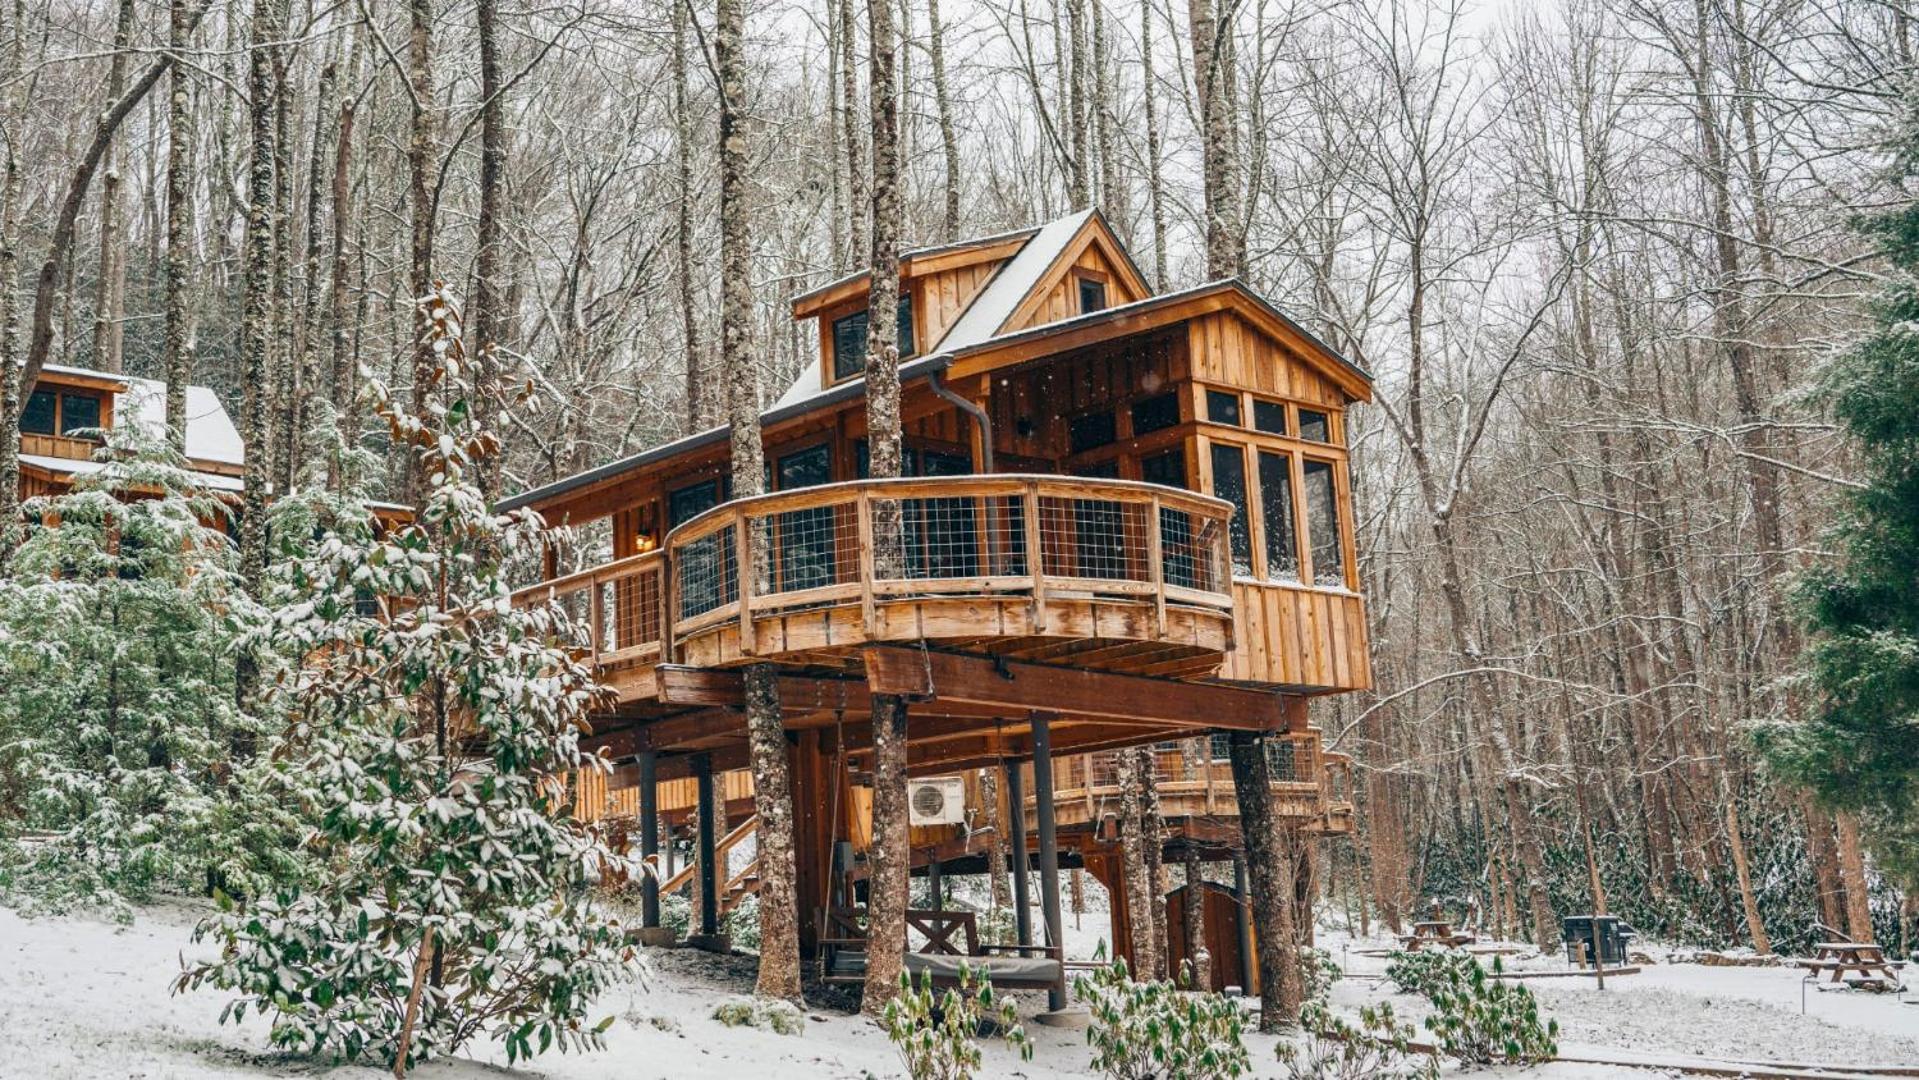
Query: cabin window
(1269, 417)
(938, 463)
(1222, 407)
(78, 412)
(1313, 426)
(914, 462)
(849, 339)
(1092, 431)
(1155, 413)
(810, 467)
(691, 501)
(1229, 483)
(1099, 470)
(1276, 515)
(1168, 468)
(1092, 296)
(37, 417)
(1322, 524)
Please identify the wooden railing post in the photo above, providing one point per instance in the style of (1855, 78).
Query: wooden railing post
(1035, 556)
(596, 612)
(1155, 569)
(869, 616)
(743, 570)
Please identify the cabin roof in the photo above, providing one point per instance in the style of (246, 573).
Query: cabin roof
(809, 302)
(987, 314)
(211, 436)
(806, 396)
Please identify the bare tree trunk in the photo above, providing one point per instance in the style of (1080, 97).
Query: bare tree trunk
(1134, 839)
(420, 155)
(1822, 851)
(1223, 219)
(107, 353)
(1155, 842)
(1755, 926)
(1269, 865)
(489, 258)
(178, 347)
(856, 190)
(889, 859)
(1155, 187)
(1079, 187)
(997, 884)
(11, 391)
(1852, 871)
(949, 141)
(345, 380)
(256, 310)
(696, 405)
(1197, 954)
(1111, 194)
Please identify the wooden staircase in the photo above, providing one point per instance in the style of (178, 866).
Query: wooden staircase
(734, 888)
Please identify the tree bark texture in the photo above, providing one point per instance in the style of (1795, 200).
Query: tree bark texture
(1269, 865)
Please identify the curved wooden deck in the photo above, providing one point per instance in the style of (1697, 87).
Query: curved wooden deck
(1108, 575)
(1311, 786)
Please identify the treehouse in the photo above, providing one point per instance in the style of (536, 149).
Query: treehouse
(63, 420)
(1126, 520)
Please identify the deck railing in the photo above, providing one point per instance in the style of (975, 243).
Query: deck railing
(1310, 779)
(871, 541)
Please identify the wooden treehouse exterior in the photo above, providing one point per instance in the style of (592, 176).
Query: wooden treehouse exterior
(1126, 520)
(64, 420)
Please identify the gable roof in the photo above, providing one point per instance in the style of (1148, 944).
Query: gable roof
(987, 314)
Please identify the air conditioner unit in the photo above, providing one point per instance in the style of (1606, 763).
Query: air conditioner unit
(936, 800)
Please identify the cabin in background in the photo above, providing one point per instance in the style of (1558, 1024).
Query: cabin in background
(61, 423)
(1127, 521)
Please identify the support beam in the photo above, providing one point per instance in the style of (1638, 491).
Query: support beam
(649, 839)
(709, 874)
(1048, 849)
(1246, 967)
(1022, 902)
(1018, 687)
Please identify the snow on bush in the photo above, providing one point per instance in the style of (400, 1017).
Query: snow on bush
(433, 727)
(935, 1034)
(1153, 1030)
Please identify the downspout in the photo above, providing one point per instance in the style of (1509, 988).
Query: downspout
(970, 408)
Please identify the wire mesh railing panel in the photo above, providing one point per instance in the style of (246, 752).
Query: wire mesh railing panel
(962, 536)
(809, 549)
(706, 574)
(636, 599)
(1103, 539)
(1290, 761)
(1192, 550)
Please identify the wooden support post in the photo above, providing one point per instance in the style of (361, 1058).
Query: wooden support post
(709, 874)
(743, 570)
(934, 886)
(1022, 902)
(1246, 958)
(1048, 848)
(649, 838)
(1035, 557)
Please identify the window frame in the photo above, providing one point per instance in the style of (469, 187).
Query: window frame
(907, 333)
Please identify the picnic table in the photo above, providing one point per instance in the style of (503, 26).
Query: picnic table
(1840, 957)
(1435, 932)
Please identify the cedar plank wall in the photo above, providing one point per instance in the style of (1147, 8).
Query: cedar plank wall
(1287, 635)
(1062, 300)
(940, 297)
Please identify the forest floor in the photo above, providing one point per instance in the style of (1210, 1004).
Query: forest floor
(86, 999)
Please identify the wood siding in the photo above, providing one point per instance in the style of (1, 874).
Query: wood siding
(1297, 637)
(940, 298)
(1228, 351)
(1060, 299)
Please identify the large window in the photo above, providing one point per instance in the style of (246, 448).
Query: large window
(1314, 427)
(1155, 413)
(1167, 468)
(38, 416)
(849, 340)
(1091, 431)
(1276, 514)
(1222, 407)
(78, 412)
(691, 501)
(1322, 524)
(1269, 417)
(1229, 483)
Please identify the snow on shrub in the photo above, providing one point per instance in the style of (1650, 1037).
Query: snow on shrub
(431, 739)
(1156, 1031)
(1330, 1048)
(935, 1034)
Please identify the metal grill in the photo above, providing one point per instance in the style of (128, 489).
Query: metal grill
(1093, 538)
(636, 603)
(705, 573)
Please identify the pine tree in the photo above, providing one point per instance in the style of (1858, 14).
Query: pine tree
(1858, 747)
(116, 710)
(433, 726)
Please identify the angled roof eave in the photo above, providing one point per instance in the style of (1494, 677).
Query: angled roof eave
(809, 303)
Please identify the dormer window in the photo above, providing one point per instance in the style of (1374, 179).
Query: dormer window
(849, 340)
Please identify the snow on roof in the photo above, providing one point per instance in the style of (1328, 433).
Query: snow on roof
(803, 387)
(211, 435)
(987, 314)
(71, 467)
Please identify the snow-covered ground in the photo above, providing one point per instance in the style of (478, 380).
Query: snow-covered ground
(87, 999)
